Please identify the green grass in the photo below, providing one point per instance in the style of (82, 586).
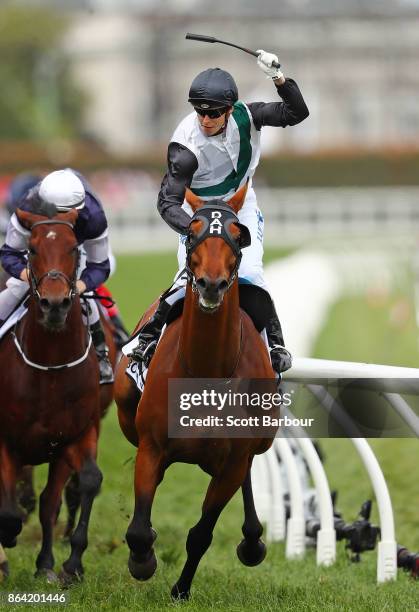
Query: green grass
(222, 583)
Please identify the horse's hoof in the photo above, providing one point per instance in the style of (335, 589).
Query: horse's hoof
(179, 594)
(251, 554)
(4, 571)
(142, 570)
(67, 579)
(47, 574)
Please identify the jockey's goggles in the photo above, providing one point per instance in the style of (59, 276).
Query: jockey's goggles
(211, 113)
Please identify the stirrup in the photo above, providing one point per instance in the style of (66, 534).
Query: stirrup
(145, 354)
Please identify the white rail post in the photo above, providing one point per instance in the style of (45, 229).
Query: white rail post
(296, 529)
(403, 410)
(276, 523)
(261, 488)
(326, 536)
(387, 547)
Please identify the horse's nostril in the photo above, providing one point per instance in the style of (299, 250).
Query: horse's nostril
(66, 303)
(222, 285)
(202, 283)
(44, 304)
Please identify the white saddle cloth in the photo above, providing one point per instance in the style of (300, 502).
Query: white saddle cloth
(137, 371)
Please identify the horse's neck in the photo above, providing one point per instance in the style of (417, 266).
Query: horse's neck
(52, 347)
(210, 343)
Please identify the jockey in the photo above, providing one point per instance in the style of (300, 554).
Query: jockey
(18, 189)
(214, 151)
(66, 189)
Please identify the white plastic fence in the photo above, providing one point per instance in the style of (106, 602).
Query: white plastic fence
(270, 486)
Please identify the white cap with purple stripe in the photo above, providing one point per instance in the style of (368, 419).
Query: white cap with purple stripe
(62, 188)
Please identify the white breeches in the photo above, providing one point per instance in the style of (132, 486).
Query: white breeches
(251, 266)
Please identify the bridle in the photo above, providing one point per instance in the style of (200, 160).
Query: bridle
(35, 282)
(217, 219)
(53, 274)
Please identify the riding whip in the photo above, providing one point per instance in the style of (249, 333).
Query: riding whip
(211, 39)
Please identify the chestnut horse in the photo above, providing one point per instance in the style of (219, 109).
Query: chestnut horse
(214, 338)
(49, 385)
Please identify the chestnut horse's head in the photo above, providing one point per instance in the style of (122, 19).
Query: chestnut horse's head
(213, 247)
(52, 263)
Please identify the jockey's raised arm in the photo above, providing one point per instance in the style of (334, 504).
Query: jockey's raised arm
(184, 152)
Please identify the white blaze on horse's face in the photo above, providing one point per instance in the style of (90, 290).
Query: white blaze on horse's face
(51, 235)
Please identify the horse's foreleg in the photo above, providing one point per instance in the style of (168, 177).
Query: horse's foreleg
(149, 470)
(49, 503)
(221, 489)
(251, 551)
(82, 458)
(10, 516)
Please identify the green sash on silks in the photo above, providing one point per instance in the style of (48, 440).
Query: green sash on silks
(233, 180)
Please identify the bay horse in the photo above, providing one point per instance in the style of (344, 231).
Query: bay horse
(213, 338)
(49, 385)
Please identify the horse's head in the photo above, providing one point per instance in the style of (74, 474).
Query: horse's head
(213, 246)
(52, 263)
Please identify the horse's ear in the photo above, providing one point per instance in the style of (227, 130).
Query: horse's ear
(70, 216)
(236, 202)
(193, 200)
(26, 218)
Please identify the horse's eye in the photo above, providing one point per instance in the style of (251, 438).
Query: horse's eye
(32, 250)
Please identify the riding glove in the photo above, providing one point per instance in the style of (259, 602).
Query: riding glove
(264, 61)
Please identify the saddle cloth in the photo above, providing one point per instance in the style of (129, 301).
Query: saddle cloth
(135, 370)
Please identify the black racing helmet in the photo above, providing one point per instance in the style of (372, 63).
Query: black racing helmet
(213, 88)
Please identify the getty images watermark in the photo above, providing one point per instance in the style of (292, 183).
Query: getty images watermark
(233, 408)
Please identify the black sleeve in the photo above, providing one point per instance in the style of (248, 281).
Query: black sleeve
(181, 166)
(290, 111)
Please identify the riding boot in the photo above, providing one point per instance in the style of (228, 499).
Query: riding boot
(281, 358)
(150, 334)
(121, 336)
(102, 351)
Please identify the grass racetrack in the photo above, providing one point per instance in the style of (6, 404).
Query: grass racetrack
(221, 582)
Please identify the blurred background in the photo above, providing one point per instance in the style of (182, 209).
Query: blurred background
(101, 84)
